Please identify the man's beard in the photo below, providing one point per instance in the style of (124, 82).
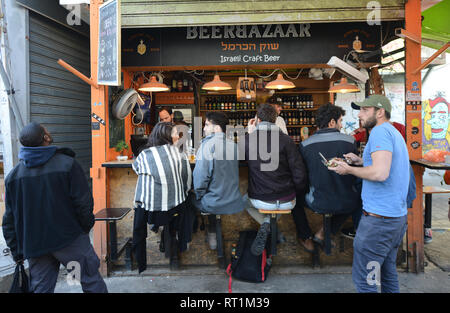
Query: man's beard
(370, 123)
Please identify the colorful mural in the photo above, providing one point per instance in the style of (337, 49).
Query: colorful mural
(436, 124)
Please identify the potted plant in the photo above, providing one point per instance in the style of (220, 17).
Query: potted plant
(121, 147)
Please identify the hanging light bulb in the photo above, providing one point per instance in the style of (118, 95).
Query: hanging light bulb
(153, 86)
(344, 87)
(280, 83)
(216, 84)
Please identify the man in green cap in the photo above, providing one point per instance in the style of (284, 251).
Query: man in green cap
(385, 174)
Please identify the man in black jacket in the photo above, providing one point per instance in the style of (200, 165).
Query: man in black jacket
(49, 213)
(328, 191)
(275, 171)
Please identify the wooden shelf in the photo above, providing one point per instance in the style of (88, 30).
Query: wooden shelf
(226, 111)
(301, 109)
(292, 92)
(290, 110)
(312, 91)
(302, 125)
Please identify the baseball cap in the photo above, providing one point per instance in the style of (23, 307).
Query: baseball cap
(376, 101)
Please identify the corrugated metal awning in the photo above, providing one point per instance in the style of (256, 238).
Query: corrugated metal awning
(177, 13)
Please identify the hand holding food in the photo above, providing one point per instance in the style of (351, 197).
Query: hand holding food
(333, 162)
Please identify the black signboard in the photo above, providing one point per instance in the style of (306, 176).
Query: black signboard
(248, 44)
(109, 44)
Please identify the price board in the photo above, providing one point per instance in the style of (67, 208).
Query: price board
(109, 44)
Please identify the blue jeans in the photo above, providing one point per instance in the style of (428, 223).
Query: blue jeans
(253, 205)
(375, 253)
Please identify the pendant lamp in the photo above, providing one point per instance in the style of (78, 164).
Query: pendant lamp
(344, 87)
(153, 86)
(280, 83)
(216, 84)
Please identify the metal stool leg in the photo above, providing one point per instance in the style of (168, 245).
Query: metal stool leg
(128, 255)
(273, 231)
(220, 247)
(113, 239)
(327, 233)
(428, 203)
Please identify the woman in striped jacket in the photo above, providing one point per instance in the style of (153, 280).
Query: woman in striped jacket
(164, 174)
(164, 179)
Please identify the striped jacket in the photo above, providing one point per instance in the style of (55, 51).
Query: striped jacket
(164, 178)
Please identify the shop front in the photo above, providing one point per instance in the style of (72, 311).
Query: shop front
(247, 56)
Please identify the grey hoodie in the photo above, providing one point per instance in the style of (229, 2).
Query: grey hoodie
(216, 176)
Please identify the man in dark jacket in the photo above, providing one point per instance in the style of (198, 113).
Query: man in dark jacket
(275, 171)
(328, 192)
(49, 214)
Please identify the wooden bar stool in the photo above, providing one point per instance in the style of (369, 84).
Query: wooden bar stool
(429, 191)
(111, 216)
(273, 226)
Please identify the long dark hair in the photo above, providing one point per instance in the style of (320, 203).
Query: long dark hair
(160, 135)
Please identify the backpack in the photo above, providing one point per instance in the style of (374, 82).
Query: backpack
(244, 265)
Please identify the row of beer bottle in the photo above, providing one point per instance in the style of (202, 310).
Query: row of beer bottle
(295, 134)
(228, 102)
(297, 102)
(298, 117)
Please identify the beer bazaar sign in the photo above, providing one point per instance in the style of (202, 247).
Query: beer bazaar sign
(247, 44)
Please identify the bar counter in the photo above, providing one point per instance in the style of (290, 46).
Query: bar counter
(121, 182)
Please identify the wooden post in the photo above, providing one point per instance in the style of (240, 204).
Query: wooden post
(413, 111)
(99, 106)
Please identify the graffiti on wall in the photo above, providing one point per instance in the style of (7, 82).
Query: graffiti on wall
(436, 124)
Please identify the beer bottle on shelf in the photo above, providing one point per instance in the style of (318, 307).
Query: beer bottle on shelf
(174, 84)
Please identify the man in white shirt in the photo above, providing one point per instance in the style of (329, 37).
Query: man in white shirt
(276, 102)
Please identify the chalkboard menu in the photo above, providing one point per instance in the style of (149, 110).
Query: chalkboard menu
(109, 44)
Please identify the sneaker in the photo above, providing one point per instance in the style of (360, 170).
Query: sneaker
(349, 233)
(259, 243)
(428, 236)
(212, 241)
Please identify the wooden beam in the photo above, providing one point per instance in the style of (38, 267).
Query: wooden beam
(99, 106)
(430, 59)
(413, 111)
(77, 73)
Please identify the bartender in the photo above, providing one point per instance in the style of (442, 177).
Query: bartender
(276, 102)
(166, 115)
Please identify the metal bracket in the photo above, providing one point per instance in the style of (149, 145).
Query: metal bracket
(400, 32)
(430, 59)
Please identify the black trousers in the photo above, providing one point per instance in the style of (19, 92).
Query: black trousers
(211, 217)
(302, 225)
